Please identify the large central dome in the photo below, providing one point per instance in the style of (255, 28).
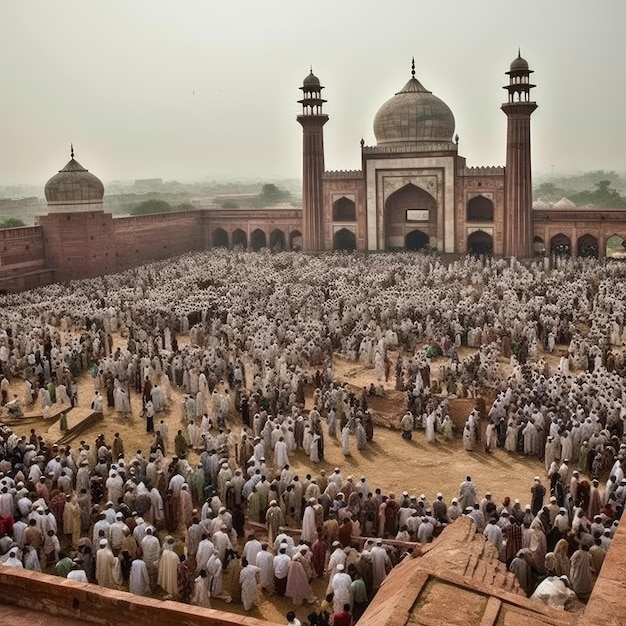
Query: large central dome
(413, 115)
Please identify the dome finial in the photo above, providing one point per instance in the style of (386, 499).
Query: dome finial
(413, 67)
(519, 52)
(72, 150)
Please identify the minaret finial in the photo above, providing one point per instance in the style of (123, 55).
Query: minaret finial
(72, 150)
(413, 67)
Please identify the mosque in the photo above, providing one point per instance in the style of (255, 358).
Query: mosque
(414, 191)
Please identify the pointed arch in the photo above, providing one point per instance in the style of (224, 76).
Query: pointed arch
(344, 210)
(219, 239)
(480, 209)
(406, 208)
(295, 240)
(258, 240)
(344, 239)
(587, 246)
(240, 239)
(480, 243)
(561, 246)
(615, 247)
(539, 246)
(277, 240)
(416, 240)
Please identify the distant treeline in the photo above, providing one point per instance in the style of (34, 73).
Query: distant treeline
(600, 188)
(11, 222)
(158, 206)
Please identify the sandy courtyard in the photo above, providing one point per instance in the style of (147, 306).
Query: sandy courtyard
(389, 462)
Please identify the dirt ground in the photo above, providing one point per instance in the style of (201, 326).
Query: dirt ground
(389, 462)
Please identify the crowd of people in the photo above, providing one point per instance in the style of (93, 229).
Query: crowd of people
(263, 329)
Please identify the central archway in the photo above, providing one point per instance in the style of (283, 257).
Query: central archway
(416, 240)
(407, 209)
(480, 243)
(344, 239)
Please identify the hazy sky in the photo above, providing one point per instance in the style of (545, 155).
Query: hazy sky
(201, 89)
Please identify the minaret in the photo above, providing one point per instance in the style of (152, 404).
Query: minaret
(518, 227)
(312, 120)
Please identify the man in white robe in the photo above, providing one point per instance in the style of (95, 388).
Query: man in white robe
(249, 580)
(340, 585)
(309, 528)
(168, 566)
(139, 580)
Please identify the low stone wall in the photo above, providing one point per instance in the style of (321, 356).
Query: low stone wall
(52, 595)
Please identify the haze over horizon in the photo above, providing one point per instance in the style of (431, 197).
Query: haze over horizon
(198, 90)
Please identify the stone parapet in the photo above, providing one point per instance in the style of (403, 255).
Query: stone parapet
(51, 595)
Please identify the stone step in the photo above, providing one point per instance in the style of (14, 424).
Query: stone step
(79, 419)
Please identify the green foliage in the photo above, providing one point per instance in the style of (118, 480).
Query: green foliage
(603, 196)
(229, 204)
(185, 206)
(11, 222)
(550, 192)
(151, 206)
(271, 195)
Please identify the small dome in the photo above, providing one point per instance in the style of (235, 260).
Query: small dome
(519, 64)
(414, 114)
(311, 81)
(74, 184)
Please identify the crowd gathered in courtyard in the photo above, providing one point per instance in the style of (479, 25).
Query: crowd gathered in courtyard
(212, 508)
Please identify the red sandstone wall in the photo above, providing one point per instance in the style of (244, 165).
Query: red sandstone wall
(466, 188)
(354, 188)
(21, 248)
(78, 245)
(60, 596)
(144, 238)
(22, 259)
(288, 221)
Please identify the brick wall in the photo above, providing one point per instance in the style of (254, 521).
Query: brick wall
(58, 596)
(143, 238)
(22, 264)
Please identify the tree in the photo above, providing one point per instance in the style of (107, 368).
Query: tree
(11, 222)
(229, 204)
(271, 194)
(185, 206)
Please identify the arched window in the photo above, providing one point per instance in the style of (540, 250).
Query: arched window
(344, 210)
(258, 240)
(539, 247)
(240, 239)
(480, 243)
(615, 247)
(219, 239)
(295, 240)
(344, 239)
(277, 240)
(587, 247)
(416, 240)
(560, 246)
(480, 209)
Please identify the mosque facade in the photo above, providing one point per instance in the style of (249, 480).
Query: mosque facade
(414, 191)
